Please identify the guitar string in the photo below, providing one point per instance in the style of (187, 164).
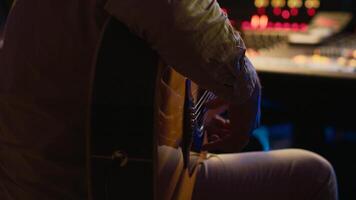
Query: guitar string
(202, 101)
(200, 117)
(199, 111)
(201, 98)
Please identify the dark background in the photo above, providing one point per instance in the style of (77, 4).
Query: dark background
(4, 9)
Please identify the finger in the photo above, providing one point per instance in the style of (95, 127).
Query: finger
(228, 124)
(219, 122)
(228, 144)
(219, 132)
(216, 145)
(212, 138)
(215, 103)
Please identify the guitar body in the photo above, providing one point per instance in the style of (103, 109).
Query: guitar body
(139, 123)
(176, 171)
(170, 103)
(122, 125)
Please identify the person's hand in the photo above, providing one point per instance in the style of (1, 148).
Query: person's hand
(232, 135)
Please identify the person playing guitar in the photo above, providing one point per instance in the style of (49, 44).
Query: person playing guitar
(80, 120)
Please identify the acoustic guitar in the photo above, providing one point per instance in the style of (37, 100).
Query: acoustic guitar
(147, 123)
(181, 133)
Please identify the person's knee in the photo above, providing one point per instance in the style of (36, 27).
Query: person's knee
(318, 171)
(310, 162)
(316, 162)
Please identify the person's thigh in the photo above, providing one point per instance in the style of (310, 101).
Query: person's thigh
(281, 174)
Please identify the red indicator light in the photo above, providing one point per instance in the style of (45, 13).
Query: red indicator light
(303, 27)
(294, 11)
(246, 25)
(277, 11)
(278, 25)
(295, 26)
(311, 11)
(285, 14)
(286, 25)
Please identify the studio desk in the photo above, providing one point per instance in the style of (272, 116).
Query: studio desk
(312, 88)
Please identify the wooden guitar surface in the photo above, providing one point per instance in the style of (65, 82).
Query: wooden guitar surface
(138, 110)
(174, 181)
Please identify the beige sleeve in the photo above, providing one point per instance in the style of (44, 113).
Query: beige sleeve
(196, 38)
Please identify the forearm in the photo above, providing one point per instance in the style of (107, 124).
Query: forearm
(245, 117)
(196, 38)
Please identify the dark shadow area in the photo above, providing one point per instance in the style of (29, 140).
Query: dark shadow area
(320, 115)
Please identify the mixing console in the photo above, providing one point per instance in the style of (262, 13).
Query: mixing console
(307, 37)
(336, 58)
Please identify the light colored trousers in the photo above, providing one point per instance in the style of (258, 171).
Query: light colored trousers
(291, 174)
